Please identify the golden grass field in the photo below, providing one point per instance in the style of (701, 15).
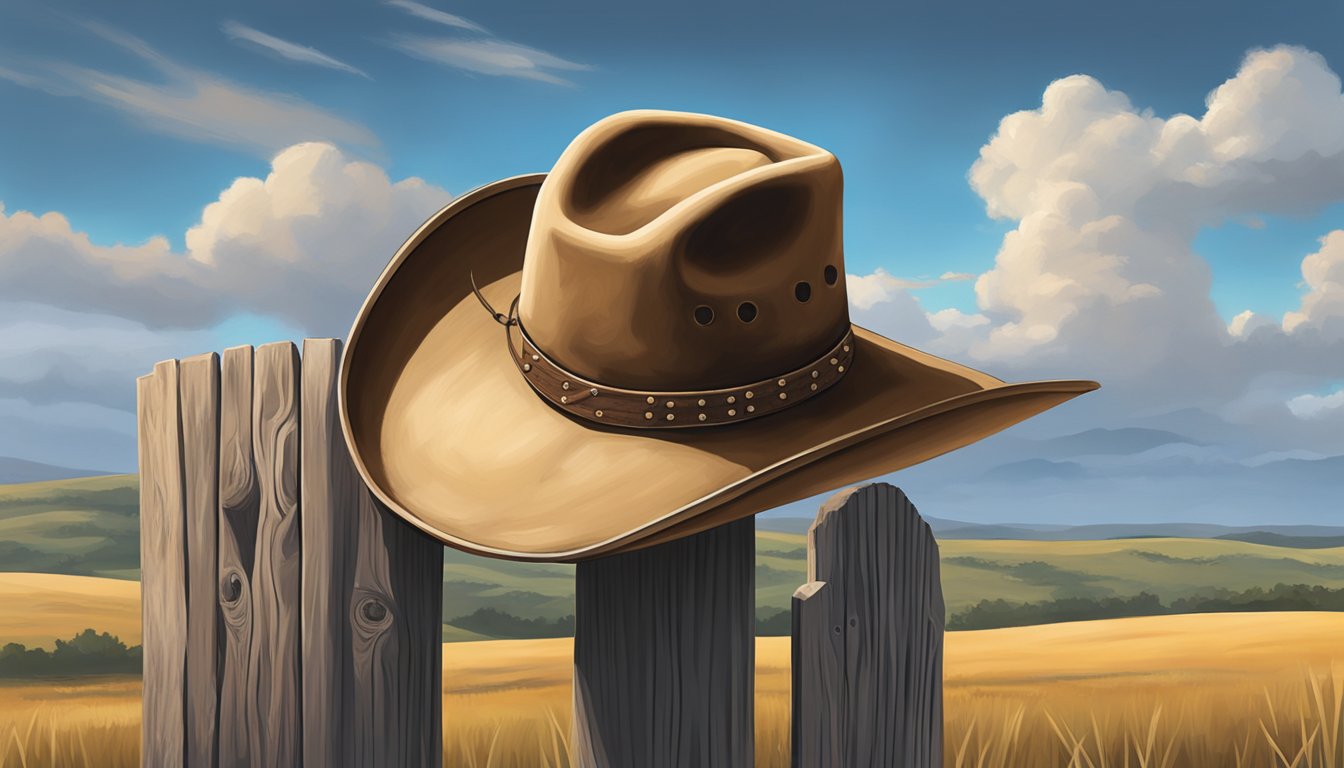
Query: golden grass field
(62, 606)
(1160, 692)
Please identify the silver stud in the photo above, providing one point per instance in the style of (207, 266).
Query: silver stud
(751, 409)
(650, 400)
(527, 367)
(670, 417)
(750, 395)
(841, 369)
(648, 414)
(564, 399)
(815, 374)
(782, 382)
(834, 361)
(783, 395)
(701, 401)
(702, 417)
(598, 414)
(846, 347)
(536, 358)
(814, 387)
(731, 399)
(593, 391)
(565, 385)
(671, 404)
(732, 412)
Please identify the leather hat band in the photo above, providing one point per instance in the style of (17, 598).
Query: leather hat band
(640, 409)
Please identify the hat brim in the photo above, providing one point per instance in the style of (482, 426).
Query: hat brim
(445, 431)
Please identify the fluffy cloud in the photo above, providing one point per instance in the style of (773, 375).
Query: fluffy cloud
(1323, 307)
(1247, 322)
(302, 244)
(1099, 277)
(1109, 199)
(1314, 406)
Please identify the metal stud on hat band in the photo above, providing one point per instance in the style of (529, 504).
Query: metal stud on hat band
(642, 409)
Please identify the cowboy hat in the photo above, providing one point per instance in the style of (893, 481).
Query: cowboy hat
(651, 340)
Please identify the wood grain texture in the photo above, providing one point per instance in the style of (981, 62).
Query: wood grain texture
(879, 561)
(664, 653)
(238, 507)
(818, 664)
(199, 388)
(274, 673)
(163, 574)
(371, 603)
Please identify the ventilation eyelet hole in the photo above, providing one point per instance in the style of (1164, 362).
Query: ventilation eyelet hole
(746, 311)
(802, 291)
(703, 315)
(832, 274)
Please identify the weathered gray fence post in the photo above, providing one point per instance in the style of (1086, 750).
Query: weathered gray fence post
(288, 618)
(372, 599)
(868, 637)
(664, 653)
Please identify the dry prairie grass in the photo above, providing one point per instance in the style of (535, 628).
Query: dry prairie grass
(1235, 690)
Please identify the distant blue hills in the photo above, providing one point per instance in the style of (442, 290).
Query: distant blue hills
(1312, 536)
(14, 470)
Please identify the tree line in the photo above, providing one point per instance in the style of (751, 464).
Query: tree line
(87, 653)
(994, 614)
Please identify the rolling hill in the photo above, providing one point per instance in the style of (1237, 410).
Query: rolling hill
(90, 527)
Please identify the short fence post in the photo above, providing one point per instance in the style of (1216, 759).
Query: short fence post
(868, 637)
(664, 653)
(289, 619)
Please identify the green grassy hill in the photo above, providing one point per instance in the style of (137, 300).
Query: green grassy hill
(89, 527)
(86, 527)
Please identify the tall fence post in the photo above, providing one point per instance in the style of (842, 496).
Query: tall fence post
(868, 636)
(288, 618)
(199, 385)
(163, 567)
(664, 653)
(372, 603)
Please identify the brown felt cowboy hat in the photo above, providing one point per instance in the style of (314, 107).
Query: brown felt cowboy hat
(660, 344)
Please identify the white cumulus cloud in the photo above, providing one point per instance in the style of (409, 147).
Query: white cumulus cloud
(1323, 307)
(303, 244)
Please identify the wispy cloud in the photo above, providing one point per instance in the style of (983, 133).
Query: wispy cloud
(484, 54)
(192, 104)
(427, 13)
(288, 50)
(491, 57)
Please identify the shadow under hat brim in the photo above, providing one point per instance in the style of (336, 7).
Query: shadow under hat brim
(445, 431)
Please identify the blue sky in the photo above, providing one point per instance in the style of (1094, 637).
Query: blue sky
(906, 95)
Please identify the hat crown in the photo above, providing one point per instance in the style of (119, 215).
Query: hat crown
(676, 251)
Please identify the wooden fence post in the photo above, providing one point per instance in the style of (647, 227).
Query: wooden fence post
(163, 567)
(288, 618)
(372, 602)
(664, 653)
(239, 501)
(868, 637)
(199, 386)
